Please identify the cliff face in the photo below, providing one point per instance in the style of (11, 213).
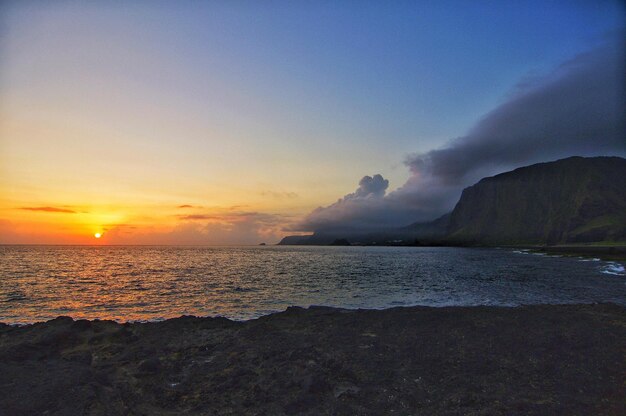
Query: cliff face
(567, 201)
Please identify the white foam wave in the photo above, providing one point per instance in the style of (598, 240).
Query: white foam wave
(614, 269)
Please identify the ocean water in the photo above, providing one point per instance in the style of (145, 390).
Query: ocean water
(38, 283)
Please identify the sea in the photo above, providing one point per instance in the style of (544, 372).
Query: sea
(147, 283)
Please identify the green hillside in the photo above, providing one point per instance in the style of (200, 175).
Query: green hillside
(574, 200)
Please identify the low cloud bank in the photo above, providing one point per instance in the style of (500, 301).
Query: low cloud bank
(578, 109)
(225, 227)
(49, 209)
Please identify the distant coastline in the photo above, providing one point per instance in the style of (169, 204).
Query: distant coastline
(603, 250)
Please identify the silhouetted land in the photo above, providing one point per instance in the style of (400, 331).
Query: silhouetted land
(540, 360)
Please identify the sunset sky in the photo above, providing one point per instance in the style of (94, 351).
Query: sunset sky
(226, 122)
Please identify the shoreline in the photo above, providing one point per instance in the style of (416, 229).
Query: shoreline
(532, 359)
(337, 309)
(608, 253)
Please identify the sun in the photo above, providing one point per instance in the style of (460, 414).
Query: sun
(97, 235)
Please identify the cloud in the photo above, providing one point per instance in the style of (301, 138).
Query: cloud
(370, 187)
(229, 217)
(49, 209)
(278, 194)
(353, 210)
(225, 227)
(578, 109)
(186, 206)
(228, 228)
(194, 217)
(236, 207)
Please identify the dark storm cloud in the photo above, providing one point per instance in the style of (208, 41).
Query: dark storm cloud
(579, 109)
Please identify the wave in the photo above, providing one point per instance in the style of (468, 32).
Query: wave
(614, 269)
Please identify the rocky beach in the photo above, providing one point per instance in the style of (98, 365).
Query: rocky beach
(538, 360)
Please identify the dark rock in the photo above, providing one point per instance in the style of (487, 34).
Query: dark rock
(345, 388)
(82, 357)
(532, 360)
(151, 365)
(82, 325)
(318, 384)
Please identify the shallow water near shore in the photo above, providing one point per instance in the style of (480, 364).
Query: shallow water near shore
(124, 283)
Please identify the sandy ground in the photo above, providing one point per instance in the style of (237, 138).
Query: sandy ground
(535, 360)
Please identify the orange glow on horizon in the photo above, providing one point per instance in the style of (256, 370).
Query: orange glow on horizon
(69, 222)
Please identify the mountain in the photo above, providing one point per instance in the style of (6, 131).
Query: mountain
(435, 229)
(413, 234)
(294, 240)
(573, 200)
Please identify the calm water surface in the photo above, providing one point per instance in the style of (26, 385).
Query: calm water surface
(146, 283)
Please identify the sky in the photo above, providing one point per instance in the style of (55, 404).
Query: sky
(239, 122)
